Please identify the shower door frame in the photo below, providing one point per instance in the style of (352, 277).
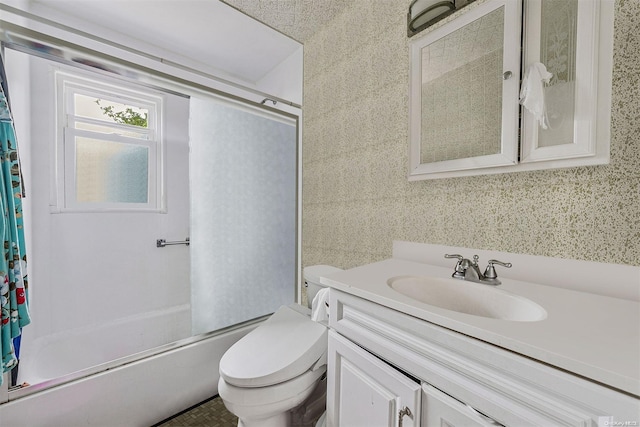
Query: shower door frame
(179, 81)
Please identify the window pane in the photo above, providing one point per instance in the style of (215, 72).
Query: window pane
(112, 130)
(111, 172)
(115, 112)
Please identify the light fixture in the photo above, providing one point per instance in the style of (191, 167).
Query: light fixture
(424, 13)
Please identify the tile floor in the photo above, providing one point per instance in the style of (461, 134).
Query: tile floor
(210, 413)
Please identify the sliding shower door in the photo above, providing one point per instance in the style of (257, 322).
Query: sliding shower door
(103, 292)
(243, 169)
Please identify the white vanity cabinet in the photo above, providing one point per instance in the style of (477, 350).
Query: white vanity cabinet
(367, 392)
(377, 355)
(440, 409)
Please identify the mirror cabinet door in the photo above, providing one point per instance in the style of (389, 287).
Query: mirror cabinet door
(464, 92)
(562, 35)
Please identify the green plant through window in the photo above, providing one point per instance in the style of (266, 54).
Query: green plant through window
(127, 117)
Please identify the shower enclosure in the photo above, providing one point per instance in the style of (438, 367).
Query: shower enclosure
(104, 294)
(243, 213)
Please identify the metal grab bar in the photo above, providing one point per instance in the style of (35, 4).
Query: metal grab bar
(161, 243)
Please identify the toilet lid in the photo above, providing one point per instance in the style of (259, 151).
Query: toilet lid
(283, 347)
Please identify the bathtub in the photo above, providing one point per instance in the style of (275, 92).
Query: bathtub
(117, 385)
(58, 355)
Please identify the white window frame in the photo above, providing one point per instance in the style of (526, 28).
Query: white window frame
(67, 85)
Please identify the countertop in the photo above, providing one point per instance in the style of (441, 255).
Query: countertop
(595, 336)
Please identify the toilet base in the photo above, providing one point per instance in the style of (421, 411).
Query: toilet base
(280, 420)
(308, 413)
(310, 403)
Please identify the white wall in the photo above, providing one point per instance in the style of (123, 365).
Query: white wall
(90, 268)
(286, 79)
(17, 70)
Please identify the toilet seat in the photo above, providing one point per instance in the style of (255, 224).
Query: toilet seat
(281, 348)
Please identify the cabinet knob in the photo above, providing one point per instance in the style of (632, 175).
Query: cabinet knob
(404, 411)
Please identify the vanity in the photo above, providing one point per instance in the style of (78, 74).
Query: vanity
(556, 343)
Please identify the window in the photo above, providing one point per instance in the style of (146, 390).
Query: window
(110, 155)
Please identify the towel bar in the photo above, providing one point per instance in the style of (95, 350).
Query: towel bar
(161, 243)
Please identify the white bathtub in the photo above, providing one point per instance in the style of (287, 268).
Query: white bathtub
(54, 356)
(132, 390)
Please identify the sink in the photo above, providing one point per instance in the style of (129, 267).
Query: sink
(468, 297)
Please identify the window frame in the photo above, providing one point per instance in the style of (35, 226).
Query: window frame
(67, 86)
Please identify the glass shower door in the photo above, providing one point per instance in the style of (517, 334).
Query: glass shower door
(243, 166)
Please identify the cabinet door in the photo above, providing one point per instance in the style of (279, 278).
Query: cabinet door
(464, 93)
(364, 391)
(572, 39)
(440, 409)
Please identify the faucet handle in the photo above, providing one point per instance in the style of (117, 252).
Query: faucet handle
(459, 272)
(490, 272)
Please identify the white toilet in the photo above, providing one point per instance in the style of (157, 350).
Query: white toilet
(275, 373)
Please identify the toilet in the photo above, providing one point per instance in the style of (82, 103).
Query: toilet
(275, 375)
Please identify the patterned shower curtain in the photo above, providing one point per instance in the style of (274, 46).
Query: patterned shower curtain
(14, 310)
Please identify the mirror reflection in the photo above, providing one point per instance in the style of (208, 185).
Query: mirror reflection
(558, 52)
(461, 92)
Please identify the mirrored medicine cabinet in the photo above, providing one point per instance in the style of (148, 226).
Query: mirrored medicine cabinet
(465, 81)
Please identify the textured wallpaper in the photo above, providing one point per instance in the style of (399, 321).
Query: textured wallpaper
(356, 197)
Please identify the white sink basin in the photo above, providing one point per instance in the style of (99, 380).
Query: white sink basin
(468, 297)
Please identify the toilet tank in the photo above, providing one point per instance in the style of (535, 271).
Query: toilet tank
(312, 275)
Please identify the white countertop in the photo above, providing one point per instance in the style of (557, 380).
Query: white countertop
(591, 335)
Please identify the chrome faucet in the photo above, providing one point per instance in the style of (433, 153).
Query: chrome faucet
(469, 270)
